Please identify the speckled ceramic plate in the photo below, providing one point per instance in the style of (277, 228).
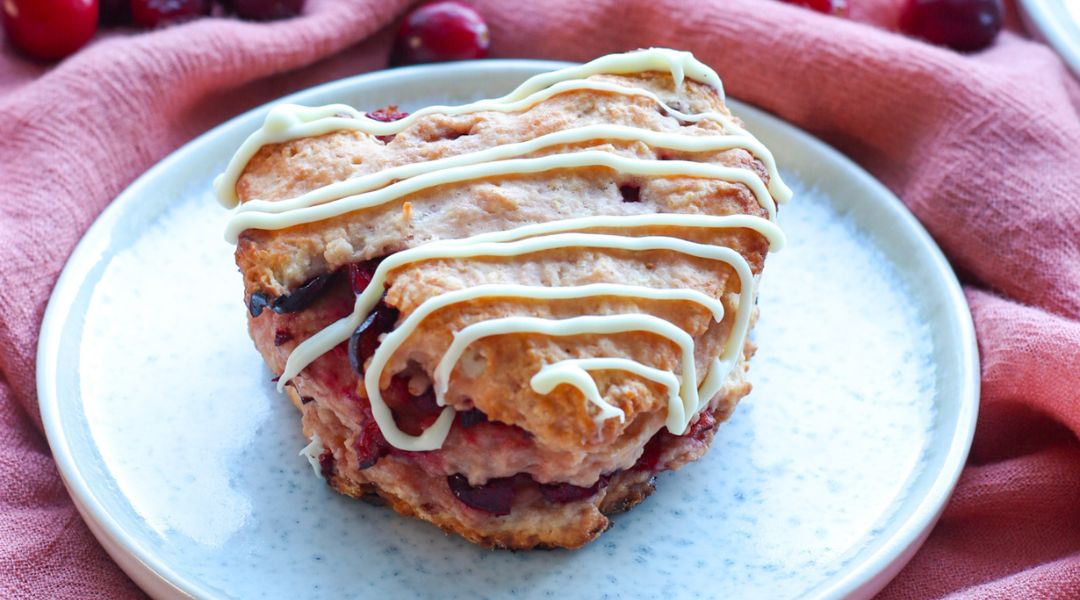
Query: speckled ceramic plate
(183, 459)
(1057, 22)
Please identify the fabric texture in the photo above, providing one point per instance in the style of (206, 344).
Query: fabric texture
(984, 149)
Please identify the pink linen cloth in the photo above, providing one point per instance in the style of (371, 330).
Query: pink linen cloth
(984, 149)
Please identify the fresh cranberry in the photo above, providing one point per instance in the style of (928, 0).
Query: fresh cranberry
(49, 29)
(441, 31)
(829, 7)
(365, 339)
(564, 492)
(156, 13)
(964, 25)
(495, 497)
(265, 10)
(370, 445)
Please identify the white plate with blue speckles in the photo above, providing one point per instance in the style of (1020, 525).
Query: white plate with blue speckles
(183, 459)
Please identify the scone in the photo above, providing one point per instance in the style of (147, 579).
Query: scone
(507, 317)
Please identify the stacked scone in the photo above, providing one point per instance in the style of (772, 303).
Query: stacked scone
(506, 317)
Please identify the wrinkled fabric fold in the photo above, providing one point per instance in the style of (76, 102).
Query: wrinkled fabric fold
(983, 148)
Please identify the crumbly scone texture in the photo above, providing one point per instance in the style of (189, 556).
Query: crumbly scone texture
(555, 437)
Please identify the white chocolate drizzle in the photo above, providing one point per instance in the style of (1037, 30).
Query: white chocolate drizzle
(356, 194)
(686, 397)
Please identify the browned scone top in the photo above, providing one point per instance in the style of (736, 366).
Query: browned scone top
(554, 437)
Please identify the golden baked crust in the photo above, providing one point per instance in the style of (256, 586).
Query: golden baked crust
(553, 438)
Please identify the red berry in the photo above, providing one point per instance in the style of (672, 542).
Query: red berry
(441, 31)
(155, 13)
(964, 25)
(562, 493)
(412, 414)
(630, 193)
(303, 296)
(326, 464)
(360, 276)
(282, 336)
(265, 10)
(365, 340)
(471, 418)
(369, 444)
(650, 456)
(49, 29)
(495, 497)
(386, 115)
(829, 7)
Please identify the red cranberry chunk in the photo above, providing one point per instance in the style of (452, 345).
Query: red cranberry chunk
(326, 464)
(360, 275)
(257, 303)
(964, 25)
(564, 492)
(370, 445)
(365, 339)
(282, 336)
(495, 497)
(412, 414)
(303, 296)
(441, 31)
(650, 456)
(630, 193)
(386, 115)
(471, 418)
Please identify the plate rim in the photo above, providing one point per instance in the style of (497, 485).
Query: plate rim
(159, 580)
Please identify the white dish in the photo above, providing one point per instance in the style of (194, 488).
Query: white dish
(1057, 22)
(183, 459)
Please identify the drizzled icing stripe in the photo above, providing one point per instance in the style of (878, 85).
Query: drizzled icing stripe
(433, 437)
(288, 122)
(591, 324)
(655, 139)
(514, 166)
(541, 237)
(394, 339)
(339, 331)
(575, 372)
